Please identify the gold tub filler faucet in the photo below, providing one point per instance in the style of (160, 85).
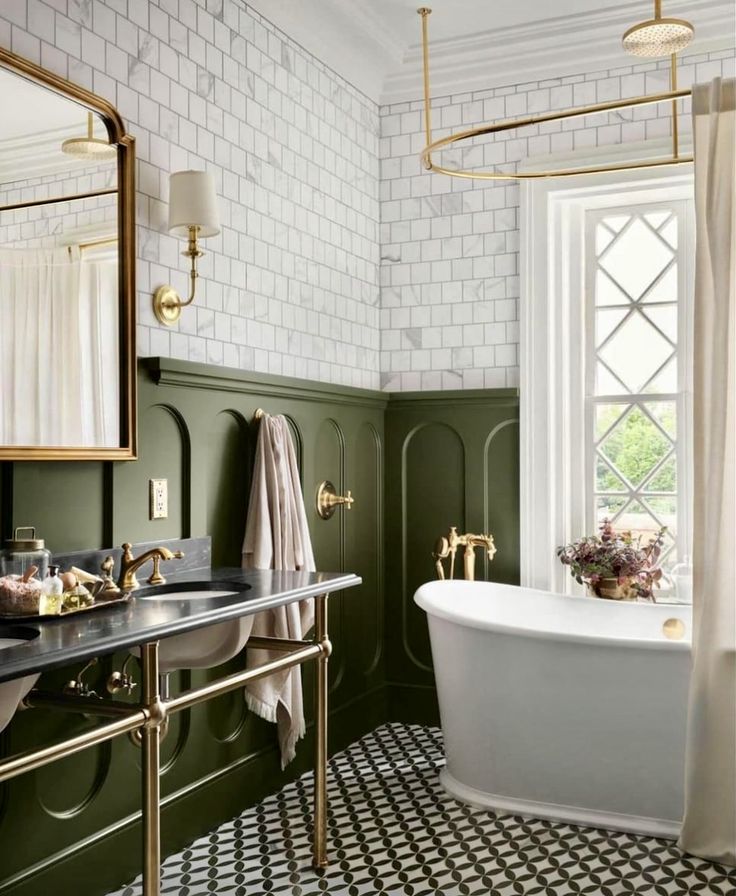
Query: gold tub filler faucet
(447, 545)
(130, 564)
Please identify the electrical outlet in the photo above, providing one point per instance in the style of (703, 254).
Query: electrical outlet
(159, 499)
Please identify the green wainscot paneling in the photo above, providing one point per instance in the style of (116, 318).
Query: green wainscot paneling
(452, 459)
(72, 828)
(415, 463)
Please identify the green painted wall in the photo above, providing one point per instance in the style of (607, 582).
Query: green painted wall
(450, 458)
(71, 827)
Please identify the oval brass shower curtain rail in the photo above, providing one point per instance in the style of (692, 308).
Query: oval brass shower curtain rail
(672, 96)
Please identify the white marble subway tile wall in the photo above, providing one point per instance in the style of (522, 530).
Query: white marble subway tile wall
(61, 223)
(290, 286)
(450, 247)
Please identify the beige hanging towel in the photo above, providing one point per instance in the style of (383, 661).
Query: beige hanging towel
(277, 537)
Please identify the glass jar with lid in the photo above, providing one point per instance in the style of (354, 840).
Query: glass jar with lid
(22, 552)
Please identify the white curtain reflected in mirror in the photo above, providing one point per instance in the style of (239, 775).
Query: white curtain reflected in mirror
(67, 271)
(59, 346)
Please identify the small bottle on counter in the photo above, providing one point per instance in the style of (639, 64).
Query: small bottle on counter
(52, 597)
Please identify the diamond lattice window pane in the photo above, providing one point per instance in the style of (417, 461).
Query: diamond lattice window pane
(617, 222)
(666, 380)
(635, 258)
(639, 521)
(608, 508)
(606, 291)
(665, 507)
(635, 352)
(606, 480)
(606, 383)
(665, 317)
(606, 415)
(603, 238)
(606, 321)
(666, 289)
(665, 479)
(669, 232)
(665, 413)
(657, 219)
(635, 446)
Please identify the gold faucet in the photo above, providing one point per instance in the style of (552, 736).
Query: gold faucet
(446, 546)
(130, 564)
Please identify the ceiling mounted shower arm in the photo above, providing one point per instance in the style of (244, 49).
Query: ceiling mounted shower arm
(425, 13)
(683, 33)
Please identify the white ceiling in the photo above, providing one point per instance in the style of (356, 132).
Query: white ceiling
(34, 123)
(477, 44)
(460, 18)
(30, 109)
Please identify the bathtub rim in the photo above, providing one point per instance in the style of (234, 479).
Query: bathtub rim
(425, 597)
(589, 818)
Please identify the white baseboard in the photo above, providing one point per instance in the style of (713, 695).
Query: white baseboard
(589, 818)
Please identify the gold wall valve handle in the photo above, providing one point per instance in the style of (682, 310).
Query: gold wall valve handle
(328, 500)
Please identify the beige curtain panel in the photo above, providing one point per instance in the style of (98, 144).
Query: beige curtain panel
(709, 826)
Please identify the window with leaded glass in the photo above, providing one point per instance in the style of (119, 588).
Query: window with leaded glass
(638, 411)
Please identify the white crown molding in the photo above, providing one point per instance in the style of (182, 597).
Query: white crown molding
(552, 48)
(617, 154)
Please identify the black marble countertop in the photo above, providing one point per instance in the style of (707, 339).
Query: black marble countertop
(57, 642)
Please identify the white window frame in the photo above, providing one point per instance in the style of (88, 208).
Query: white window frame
(555, 489)
(685, 252)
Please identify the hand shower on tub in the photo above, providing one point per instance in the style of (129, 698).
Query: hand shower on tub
(446, 546)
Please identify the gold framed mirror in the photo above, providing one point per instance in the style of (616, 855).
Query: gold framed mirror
(67, 271)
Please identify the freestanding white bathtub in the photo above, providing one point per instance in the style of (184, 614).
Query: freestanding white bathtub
(570, 708)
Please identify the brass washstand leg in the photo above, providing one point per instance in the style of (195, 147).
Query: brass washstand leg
(319, 856)
(151, 768)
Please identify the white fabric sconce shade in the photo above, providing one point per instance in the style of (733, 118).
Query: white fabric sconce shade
(192, 215)
(193, 203)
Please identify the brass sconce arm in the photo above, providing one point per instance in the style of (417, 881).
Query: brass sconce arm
(192, 214)
(167, 303)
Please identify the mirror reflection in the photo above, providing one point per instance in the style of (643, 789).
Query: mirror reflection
(59, 279)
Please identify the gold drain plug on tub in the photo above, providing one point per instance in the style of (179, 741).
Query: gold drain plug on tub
(674, 629)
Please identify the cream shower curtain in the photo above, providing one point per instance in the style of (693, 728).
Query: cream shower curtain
(59, 365)
(709, 826)
(39, 306)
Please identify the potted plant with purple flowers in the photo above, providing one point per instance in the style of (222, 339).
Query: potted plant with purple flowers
(615, 565)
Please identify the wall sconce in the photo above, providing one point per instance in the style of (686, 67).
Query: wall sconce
(192, 214)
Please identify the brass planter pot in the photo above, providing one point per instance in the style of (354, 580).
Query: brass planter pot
(612, 589)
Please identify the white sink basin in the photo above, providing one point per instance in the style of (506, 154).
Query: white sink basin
(187, 595)
(12, 692)
(205, 647)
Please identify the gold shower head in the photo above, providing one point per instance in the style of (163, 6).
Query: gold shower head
(658, 36)
(89, 147)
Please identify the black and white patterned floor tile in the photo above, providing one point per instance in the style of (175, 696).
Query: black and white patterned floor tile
(394, 832)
